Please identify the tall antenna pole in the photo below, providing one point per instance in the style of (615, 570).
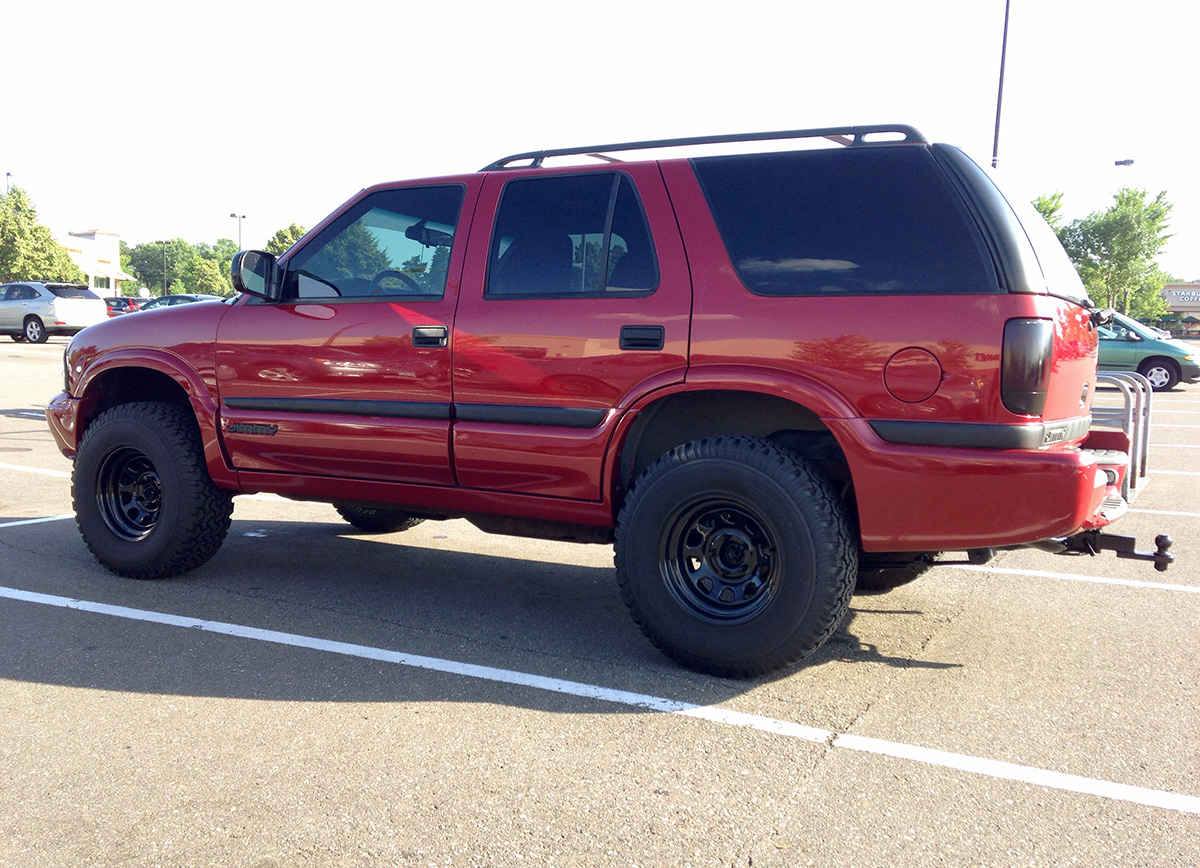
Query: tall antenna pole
(1000, 94)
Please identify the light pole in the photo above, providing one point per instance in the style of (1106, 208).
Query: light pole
(1123, 163)
(240, 218)
(7, 183)
(164, 244)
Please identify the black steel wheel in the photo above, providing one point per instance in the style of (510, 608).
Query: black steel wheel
(735, 556)
(144, 502)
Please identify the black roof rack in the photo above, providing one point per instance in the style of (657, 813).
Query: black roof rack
(850, 136)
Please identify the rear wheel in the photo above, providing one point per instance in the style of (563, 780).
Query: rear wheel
(734, 556)
(1162, 373)
(35, 331)
(144, 502)
(376, 520)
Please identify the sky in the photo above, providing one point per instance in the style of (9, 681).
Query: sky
(159, 120)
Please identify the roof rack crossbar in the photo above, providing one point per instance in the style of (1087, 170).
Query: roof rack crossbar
(850, 136)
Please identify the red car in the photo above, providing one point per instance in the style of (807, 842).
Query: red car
(120, 305)
(764, 377)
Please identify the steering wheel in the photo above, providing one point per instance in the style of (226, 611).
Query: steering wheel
(378, 279)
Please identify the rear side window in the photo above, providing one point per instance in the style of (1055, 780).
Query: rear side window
(867, 221)
(567, 236)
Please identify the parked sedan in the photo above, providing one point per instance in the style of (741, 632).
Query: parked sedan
(32, 310)
(1127, 345)
(177, 298)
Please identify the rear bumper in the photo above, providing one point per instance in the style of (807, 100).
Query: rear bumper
(936, 498)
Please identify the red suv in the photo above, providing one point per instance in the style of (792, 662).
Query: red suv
(765, 377)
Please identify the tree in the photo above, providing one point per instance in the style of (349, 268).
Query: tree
(28, 250)
(285, 238)
(1114, 250)
(1048, 206)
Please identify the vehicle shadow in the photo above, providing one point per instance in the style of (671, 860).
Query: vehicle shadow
(533, 611)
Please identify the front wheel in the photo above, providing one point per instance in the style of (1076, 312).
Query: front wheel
(735, 556)
(144, 502)
(1162, 374)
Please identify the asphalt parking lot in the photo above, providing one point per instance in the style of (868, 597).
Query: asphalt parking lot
(317, 696)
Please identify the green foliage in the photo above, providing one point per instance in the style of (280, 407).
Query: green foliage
(28, 250)
(1048, 207)
(198, 268)
(1114, 250)
(285, 238)
(353, 253)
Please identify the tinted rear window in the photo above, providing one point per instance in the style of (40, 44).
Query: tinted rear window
(867, 221)
(72, 292)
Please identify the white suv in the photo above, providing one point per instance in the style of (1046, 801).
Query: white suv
(34, 310)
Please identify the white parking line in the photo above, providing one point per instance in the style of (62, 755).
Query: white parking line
(65, 474)
(1071, 577)
(1166, 512)
(35, 520)
(915, 753)
(1156, 472)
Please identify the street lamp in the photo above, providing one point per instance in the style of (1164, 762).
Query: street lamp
(239, 218)
(1123, 163)
(164, 244)
(7, 184)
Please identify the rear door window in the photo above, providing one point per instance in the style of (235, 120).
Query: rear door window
(568, 236)
(865, 221)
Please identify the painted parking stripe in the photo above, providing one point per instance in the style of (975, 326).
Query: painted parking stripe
(36, 520)
(1071, 577)
(848, 741)
(1166, 512)
(65, 474)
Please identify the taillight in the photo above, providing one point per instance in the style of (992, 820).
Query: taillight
(1025, 365)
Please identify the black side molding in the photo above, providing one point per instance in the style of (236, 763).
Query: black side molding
(969, 435)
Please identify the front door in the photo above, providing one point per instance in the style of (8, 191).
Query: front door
(348, 375)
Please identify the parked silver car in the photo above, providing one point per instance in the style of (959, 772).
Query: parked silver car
(33, 310)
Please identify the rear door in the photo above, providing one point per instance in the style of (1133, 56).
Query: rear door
(349, 374)
(576, 302)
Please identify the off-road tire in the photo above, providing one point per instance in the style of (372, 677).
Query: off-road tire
(376, 520)
(144, 502)
(735, 556)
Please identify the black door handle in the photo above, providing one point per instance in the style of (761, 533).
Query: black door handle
(642, 337)
(430, 336)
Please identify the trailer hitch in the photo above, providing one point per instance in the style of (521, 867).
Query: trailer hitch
(1092, 542)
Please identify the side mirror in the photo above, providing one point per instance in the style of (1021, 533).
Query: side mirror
(255, 272)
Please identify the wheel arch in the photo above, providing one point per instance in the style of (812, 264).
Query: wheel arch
(672, 419)
(119, 381)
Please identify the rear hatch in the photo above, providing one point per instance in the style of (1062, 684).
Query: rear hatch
(1049, 353)
(77, 306)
